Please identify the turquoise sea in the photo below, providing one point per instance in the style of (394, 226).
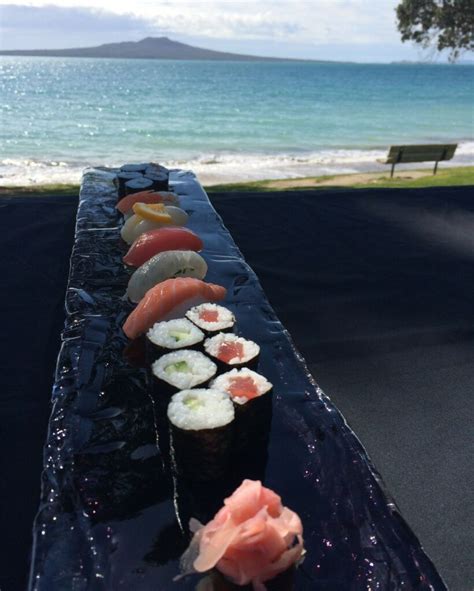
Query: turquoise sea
(225, 120)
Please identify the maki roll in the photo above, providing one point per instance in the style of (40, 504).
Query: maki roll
(201, 432)
(174, 334)
(182, 370)
(251, 394)
(160, 180)
(140, 183)
(122, 178)
(155, 168)
(243, 385)
(231, 350)
(134, 167)
(211, 318)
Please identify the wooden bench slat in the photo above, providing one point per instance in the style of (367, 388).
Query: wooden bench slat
(421, 157)
(420, 153)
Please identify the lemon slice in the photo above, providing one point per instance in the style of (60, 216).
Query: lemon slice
(154, 212)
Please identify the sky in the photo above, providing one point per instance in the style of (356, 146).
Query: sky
(353, 30)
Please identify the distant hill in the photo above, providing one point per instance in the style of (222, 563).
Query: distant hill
(149, 48)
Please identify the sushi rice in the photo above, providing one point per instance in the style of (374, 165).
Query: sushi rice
(184, 369)
(227, 342)
(220, 318)
(259, 385)
(200, 409)
(175, 334)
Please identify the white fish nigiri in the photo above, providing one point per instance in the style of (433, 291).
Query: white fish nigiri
(135, 225)
(178, 215)
(165, 265)
(127, 231)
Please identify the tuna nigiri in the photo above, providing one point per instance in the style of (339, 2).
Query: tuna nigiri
(165, 265)
(251, 539)
(125, 205)
(170, 299)
(155, 241)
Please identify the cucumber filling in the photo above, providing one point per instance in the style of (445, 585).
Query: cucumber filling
(193, 403)
(178, 335)
(179, 366)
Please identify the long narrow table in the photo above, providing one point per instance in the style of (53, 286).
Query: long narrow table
(107, 518)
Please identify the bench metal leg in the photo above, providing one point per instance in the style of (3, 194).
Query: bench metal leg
(435, 167)
(393, 168)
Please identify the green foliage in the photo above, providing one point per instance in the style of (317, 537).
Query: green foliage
(447, 177)
(445, 24)
(35, 190)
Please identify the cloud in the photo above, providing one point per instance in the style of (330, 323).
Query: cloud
(318, 21)
(74, 20)
(298, 28)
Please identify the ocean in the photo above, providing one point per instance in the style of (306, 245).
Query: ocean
(227, 121)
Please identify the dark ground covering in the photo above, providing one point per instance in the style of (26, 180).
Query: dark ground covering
(36, 236)
(374, 286)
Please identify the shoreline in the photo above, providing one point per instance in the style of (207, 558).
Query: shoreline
(226, 167)
(403, 178)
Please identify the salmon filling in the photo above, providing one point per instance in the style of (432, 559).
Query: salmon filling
(243, 387)
(229, 351)
(209, 315)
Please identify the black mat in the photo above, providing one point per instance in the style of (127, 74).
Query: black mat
(376, 289)
(388, 280)
(36, 235)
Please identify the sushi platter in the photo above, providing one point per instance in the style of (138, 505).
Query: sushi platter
(176, 389)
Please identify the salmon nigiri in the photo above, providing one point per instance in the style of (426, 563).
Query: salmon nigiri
(126, 204)
(154, 241)
(170, 299)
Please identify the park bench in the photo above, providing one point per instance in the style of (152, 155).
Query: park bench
(419, 153)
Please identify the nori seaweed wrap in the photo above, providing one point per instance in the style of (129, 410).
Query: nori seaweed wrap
(124, 177)
(173, 335)
(251, 394)
(201, 433)
(230, 350)
(181, 370)
(134, 167)
(212, 318)
(140, 183)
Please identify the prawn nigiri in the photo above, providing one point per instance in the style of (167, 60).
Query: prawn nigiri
(154, 241)
(170, 299)
(165, 265)
(166, 197)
